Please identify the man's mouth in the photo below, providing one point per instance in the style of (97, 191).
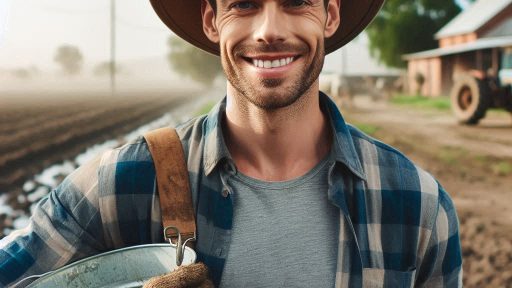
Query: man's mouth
(270, 63)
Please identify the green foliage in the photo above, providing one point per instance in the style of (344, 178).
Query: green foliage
(70, 59)
(437, 103)
(193, 62)
(407, 26)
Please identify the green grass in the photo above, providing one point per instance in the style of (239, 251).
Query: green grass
(367, 128)
(502, 168)
(498, 112)
(451, 155)
(437, 103)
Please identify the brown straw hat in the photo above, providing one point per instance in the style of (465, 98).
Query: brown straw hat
(183, 17)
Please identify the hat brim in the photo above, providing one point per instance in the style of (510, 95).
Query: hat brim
(183, 17)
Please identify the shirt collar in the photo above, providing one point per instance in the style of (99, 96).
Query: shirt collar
(343, 146)
(215, 149)
(344, 152)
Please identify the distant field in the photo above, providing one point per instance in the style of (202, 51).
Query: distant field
(39, 130)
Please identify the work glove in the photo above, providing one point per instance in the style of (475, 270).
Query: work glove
(189, 276)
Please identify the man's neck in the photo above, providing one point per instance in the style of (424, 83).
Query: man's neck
(276, 145)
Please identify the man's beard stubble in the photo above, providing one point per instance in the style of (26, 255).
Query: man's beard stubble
(308, 75)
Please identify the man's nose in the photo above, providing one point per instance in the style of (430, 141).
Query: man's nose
(270, 26)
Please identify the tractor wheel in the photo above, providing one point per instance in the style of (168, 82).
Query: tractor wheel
(470, 99)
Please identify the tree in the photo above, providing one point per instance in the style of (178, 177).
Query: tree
(407, 26)
(70, 59)
(193, 62)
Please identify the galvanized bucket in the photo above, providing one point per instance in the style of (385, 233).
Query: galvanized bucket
(127, 267)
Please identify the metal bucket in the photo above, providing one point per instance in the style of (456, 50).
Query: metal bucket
(127, 267)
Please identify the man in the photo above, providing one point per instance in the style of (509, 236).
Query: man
(286, 193)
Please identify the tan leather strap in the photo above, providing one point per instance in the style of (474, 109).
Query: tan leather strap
(172, 180)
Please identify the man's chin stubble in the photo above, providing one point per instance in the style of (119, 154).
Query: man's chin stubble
(271, 83)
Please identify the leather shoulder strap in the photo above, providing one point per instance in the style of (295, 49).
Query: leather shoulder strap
(172, 180)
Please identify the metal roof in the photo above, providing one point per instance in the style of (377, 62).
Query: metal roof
(474, 17)
(483, 43)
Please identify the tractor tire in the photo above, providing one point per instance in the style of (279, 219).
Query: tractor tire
(470, 98)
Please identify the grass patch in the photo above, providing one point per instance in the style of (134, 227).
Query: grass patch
(451, 155)
(437, 103)
(498, 112)
(502, 168)
(367, 128)
(205, 108)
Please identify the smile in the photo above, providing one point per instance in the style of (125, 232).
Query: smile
(269, 62)
(272, 63)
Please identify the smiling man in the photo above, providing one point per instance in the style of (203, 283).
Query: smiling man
(286, 193)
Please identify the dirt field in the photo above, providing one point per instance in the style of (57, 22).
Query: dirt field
(474, 164)
(39, 130)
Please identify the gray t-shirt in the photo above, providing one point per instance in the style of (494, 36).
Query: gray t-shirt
(285, 234)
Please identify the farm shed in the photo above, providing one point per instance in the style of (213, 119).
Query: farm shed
(474, 41)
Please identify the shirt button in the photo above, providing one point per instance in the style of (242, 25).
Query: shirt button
(225, 192)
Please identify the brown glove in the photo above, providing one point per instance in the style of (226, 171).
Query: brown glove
(190, 276)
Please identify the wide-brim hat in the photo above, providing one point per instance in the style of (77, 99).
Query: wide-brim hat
(183, 17)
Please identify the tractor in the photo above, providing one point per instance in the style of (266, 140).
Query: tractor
(476, 91)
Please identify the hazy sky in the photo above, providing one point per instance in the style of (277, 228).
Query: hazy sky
(31, 30)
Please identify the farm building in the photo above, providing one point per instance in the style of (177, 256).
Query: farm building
(477, 41)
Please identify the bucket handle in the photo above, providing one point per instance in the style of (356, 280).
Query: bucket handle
(180, 244)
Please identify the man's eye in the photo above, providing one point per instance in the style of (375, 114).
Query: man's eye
(244, 5)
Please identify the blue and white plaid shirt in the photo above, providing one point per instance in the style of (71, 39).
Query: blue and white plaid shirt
(398, 227)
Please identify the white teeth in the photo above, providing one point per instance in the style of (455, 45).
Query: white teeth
(272, 64)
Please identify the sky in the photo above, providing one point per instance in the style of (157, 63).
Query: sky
(31, 31)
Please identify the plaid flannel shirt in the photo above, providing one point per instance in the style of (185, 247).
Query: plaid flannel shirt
(398, 227)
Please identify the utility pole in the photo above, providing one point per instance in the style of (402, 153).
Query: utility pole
(113, 46)
(344, 57)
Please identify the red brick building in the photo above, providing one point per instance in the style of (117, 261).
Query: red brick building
(472, 41)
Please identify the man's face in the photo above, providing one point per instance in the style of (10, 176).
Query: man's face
(272, 51)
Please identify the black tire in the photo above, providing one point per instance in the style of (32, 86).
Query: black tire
(470, 98)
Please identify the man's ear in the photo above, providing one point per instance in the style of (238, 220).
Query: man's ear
(209, 26)
(333, 17)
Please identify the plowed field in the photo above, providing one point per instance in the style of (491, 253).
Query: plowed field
(39, 130)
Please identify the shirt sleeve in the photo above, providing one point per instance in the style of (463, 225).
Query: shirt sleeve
(65, 226)
(442, 263)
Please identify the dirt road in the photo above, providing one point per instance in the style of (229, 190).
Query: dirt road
(474, 164)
